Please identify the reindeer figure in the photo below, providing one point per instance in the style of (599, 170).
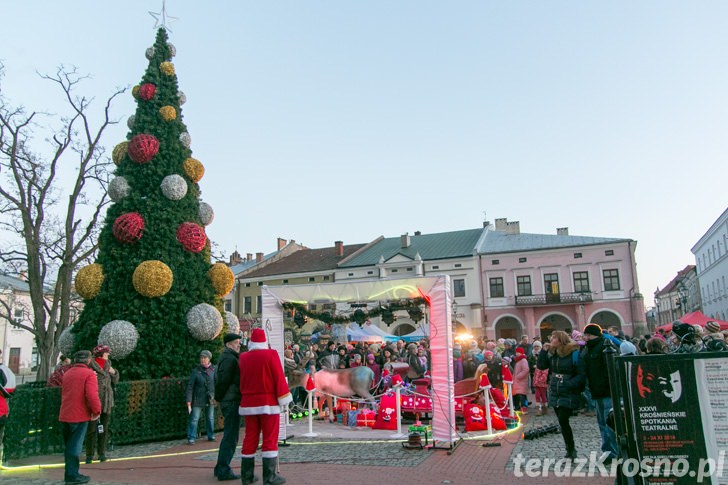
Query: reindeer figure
(338, 382)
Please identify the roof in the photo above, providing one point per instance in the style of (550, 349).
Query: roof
(305, 261)
(13, 282)
(240, 267)
(496, 242)
(443, 245)
(672, 285)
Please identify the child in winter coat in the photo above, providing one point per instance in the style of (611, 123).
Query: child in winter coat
(520, 381)
(541, 384)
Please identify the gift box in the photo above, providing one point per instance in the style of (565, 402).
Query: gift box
(365, 419)
(351, 418)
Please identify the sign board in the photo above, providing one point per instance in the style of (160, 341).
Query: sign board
(676, 409)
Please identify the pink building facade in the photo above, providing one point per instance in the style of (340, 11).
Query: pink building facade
(534, 284)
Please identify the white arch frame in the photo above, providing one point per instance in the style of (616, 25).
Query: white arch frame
(505, 315)
(436, 289)
(600, 310)
(538, 326)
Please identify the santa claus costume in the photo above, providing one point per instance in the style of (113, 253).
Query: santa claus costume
(264, 393)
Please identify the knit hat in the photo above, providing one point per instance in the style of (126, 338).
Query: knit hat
(519, 350)
(488, 354)
(537, 345)
(230, 337)
(593, 329)
(627, 348)
(712, 327)
(206, 353)
(682, 329)
(100, 350)
(370, 357)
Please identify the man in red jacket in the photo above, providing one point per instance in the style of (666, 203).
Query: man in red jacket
(264, 392)
(79, 404)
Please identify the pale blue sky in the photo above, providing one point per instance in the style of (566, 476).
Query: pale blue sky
(323, 121)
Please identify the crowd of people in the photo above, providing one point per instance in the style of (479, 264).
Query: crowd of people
(566, 372)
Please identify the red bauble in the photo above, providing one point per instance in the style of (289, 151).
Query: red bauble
(147, 91)
(142, 148)
(128, 228)
(191, 236)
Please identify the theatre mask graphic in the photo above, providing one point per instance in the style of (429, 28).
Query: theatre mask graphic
(655, 383)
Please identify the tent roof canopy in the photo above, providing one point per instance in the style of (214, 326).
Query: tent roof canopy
(695, 318)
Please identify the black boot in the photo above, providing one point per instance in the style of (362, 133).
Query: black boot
(570, 454)
(247, 466)
(269, 472)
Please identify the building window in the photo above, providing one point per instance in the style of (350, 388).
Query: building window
(18, 315)
(523, 285)
(581, 282)
(228, 305)
(395, 270)
(435, 267)
(496, 288)
(312, 307)
(611, 279)
(495, 262)
(458, 265)
(260, 283)
(259, 303)
(370, 272)
(326, 278)
(609, 252)
(410, 269)
(285, 282)
(311, 279)
(458, 288)
(577, 255)
(247, 285)
(248, 304)
(522, 260)
(350, 274)
(551, 283)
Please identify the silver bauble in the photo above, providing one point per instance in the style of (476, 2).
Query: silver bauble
(204, 322)
(174, 187)
(206, 213)
(118, 189)
(120, 336)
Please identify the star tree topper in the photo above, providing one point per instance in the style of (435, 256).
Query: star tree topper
(162, 17)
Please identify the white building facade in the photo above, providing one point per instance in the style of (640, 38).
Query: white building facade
(711, 261)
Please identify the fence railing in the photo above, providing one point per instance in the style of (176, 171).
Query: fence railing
(553, 299)
(148, 410)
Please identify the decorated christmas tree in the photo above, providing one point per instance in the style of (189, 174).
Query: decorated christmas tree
(153, 295)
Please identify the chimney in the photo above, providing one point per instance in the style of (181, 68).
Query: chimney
(500, 224)
(249, 257)
(339, 245)
(418, 233)
(258, 257)
(235, 258)
(513, 227)
(281, 243)
(562, 231)
(405, 240)
(486, 223)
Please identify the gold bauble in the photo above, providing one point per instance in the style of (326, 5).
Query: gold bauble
(194, 169)
(152, 278)
(119, 152)
(168, 113)
(222, 278)
(135, 91)
(88, 281)
(167, 68)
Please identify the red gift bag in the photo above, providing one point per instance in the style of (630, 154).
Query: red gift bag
(475, 418)
(387, 415)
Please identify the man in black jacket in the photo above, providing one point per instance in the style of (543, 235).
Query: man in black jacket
(598, 378)
(200, 396)
(227, 393)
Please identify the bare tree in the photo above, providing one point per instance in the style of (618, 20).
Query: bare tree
(53, 225)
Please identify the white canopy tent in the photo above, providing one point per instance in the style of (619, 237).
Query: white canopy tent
(435, 289)
(417, 335)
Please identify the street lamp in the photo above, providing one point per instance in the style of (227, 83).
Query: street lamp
(682, 292)
(454, 310)
(657, 311)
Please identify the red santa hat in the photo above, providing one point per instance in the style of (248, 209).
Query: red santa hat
(257, 340)
(484, 382)
(507, 375)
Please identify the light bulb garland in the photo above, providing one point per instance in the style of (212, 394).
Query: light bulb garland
(359, 315)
